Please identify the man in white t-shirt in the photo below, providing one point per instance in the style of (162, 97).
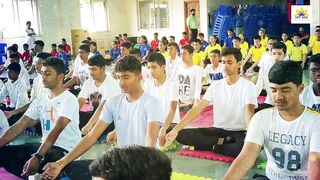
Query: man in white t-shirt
(16, 90)
(234, 102)
(165, 90)
(278, 53)
(189, 78)
(57, 111)
(98, 89)
(38, 48)
(81, 70)
(173, 61)
(311, 94)
(289, 132)
(24, 75)
(135, 113)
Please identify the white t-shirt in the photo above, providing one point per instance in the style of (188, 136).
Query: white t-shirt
(108, 89)
(166, 93)
(47, 111)
(308, 98)
(230, 102)
(37, 87)
(172, 67)
(17, 92)
(78, 60)
(24, 75)
(131, 118)
(287, 144)
(214, 74)
(189, 83)
(146, 74)
(4, 126)
(81, 71)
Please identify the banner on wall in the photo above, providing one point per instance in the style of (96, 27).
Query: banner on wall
(301, 14)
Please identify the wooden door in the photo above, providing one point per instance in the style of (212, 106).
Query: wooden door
(191, 4)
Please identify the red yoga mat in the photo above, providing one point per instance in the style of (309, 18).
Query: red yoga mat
(205, 118)
(5, 175)
(206, 155)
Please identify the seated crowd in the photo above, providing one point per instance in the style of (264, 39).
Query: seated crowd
(136, 101)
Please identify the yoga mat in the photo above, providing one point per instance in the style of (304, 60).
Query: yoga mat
(206, 155)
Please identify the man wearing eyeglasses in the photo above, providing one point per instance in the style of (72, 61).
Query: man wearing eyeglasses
(311, 94)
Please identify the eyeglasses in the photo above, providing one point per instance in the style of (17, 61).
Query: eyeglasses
(314, 70)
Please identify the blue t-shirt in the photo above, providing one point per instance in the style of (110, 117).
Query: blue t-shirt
(114, 53)
(64, 57)
(96, 52)
(204, 44)
(239, 21)
(228, 41)
(216, 76)
(144, 49)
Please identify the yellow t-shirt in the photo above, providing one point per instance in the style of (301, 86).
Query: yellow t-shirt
(256, 53)
(312, 38)
(165, 54)
(264, 42)
(296, 52)
(315, 45)
(288, 44)
(244, 49)
(198, 57)
(209, 48)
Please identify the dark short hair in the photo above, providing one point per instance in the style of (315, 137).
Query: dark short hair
(189, 48)
(39, 43)
(14, 67)
(86, 42)
(121, 163)
(216, 51)
(280, 45)
(231, 30)
(93, 43)
(164, 42)
(56, 63)
(60, 46)
(12, 48)
(145, 38)
(63, 39)
(14, 56)
(192, 10)
(85, 48)
(43, 55)
(272, 38)
(184, 33)
(97, 60)
(237, 38)
(201, 34)
(297, 34)
(232, 51)
(115, 42)
(26, 45)
(126, 45)
(284, 72)
(174, 44)
(89, 38)
(155, 33)
(257, 37)
(125, 34)
(172, 37)
(128, 63)
(197, 41)
(315, 59)
(157, 57)
(53, 45)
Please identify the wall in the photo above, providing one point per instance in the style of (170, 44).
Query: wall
(58, 17)
(315, 4)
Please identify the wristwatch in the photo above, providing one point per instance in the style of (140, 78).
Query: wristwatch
(38, 156)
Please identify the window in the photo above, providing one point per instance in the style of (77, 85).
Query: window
(15, 14)
(94, 15)
(153, 14)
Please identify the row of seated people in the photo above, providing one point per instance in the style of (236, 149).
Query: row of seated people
(136, 112)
